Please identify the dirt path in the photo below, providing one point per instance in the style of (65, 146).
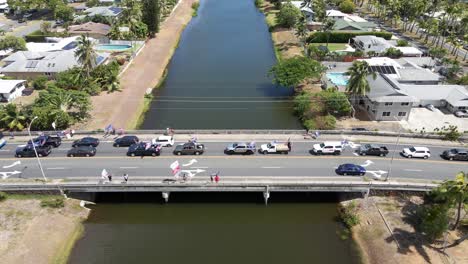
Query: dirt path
(122, 108)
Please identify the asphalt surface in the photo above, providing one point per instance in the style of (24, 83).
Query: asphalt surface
(298, 163)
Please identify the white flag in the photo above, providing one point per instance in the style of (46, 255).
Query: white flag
(175, 167)
(104, 174)
(53, 125)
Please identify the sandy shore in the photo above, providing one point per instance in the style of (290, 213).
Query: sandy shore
(31, 234)
(122, 109)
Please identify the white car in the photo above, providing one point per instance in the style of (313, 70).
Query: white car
(328, 147)
(165, 141)
(416, 152)
(461, 113)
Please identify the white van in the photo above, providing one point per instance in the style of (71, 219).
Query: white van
(328, 147)
(165, 141)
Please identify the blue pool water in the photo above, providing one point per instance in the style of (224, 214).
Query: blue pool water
(338, 78)
(114, 47)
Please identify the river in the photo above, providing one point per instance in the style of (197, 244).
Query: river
(217, 78)
(221, 231)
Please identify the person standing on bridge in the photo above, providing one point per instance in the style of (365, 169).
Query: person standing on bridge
(216, 178)
(125, 176)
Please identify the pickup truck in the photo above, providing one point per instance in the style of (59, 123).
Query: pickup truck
(371, 149)
(274, 147)
(47, 140)
(190, 148)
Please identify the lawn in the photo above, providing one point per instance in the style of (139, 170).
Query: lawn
(332, 46)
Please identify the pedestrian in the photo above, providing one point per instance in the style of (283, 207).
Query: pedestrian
(216, 178)
(72, 132)
(211, 177)
(125, 176)
(109, 177)
(289, 145)
(12, 136)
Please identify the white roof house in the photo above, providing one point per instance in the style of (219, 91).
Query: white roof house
(336, 14)
(11, 89)
(379, 45)
(55, 44)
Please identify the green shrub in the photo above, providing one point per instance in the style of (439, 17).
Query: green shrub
(347, 7)
(348, 214)
(402, 43)
(450, 133)
(56, 202)
(3, 196)
(327, 122)
(40, 83)
(37, 36)
(310, 124)
(258, 3)
(195, 6)
(343, 37)
(434, 220)
(288, 15)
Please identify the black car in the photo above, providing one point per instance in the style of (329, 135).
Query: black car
(28, 151)
(455, 154)
(126, 141)
(82, 151)
(47, 140)
(190, 148)
(144, 149)
(86, 141)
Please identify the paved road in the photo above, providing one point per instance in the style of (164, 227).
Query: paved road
(298, 163)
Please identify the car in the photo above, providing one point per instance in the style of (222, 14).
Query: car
(82, 151)
(165, 141)
(46, 140)
(416, 152)
(28, 151)
(3, 141)
(144, 149)
(274, 148)
(455, 154)
(430, 107)
(358, 129)
(126, 141)
(328, 147)
(86, 141)
(350, 169)
(240, 148)
(372, 149)
(461, 113)
(190, 148)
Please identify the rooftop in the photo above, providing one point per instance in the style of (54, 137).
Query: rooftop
(90, 28)
(55, 45)
(7, 85)
(103, 11)
(298, 4)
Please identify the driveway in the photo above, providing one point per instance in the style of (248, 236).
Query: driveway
(424, 118)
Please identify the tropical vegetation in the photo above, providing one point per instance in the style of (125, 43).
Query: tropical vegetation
(288, 15)
(291, 72)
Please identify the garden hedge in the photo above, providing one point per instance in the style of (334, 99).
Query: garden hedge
(343, 37)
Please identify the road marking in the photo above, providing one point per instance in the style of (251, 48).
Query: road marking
(58, 168)
(61, 149)
(199, 167)
(128, 167)
(355, 154)
(271, 167)
(412, 170)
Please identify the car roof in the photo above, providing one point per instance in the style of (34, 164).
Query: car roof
(164, 138)
(332, 143)
(421, 148)
(84, 147)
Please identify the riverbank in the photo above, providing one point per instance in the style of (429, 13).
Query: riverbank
(30, 233)
(123, 109)
(386, 233)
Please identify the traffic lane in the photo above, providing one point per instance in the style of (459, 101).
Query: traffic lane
(239, 166)
(214, 148)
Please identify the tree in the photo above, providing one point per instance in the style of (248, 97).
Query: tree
(40, 83)
(292, 71)
(74, 103)
(434, 220)
(151, 16)
(12, 42)
(288, 15)
(347, 7)
(115, 32)
(393, 53)
(402, 43)
(358, 85)
(315, 53)
(455, 194)
(301, 29)
(64, 12)
(336, 103)
(12, 117)
(86, 54)
(46, 27)
(327, 27)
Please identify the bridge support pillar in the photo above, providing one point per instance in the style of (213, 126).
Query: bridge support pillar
(266, 195)
(165, 196)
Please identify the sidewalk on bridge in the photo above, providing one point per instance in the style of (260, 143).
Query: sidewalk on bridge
(270, 137)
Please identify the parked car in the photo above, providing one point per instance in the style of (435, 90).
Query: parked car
(126, 141)
(416, 152)
(165, 141)
(455, 154)
(350, 169)
(328, 147)
(372, 149)
(358, 129)
(430, 107)
(190, 148)
(86, 141)
(461, 113)
(274, 147)
(46, 140)
(3, 141)
(240, 148)
(28, 151)
(82, 151)
(144, 149)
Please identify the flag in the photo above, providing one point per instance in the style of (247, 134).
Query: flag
(53, 125)
(175, 167)
(104, 174)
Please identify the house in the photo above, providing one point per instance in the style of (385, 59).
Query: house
(29, 64)
(338, 15)
(351, 26)
(106, 11)
(306, 11)
(53, 44)
(11, 89)
(97, 31)
(4, 8)
(378, 45)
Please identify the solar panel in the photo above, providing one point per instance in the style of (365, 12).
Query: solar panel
(383, 69)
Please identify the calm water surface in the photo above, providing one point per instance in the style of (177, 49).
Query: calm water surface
(213, 233)
(218, 75)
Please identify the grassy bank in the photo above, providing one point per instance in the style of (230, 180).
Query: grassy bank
(62, 255)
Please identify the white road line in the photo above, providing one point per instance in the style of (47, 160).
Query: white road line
(199, 167)
(128, 167)
(61, 149)
(412, 170)
(58, 168)
(271, 167)
(355, 154)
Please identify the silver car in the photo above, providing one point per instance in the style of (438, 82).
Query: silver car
(240, 148)
(461, 113)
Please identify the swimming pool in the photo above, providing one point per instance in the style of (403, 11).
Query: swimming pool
(113, 47)
(338, 78)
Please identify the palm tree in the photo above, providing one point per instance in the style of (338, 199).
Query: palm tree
(358, 85)
(455, 193)
(12, 117)
(86, 54)
(112, 83)
(301, 29)
(327, 27)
